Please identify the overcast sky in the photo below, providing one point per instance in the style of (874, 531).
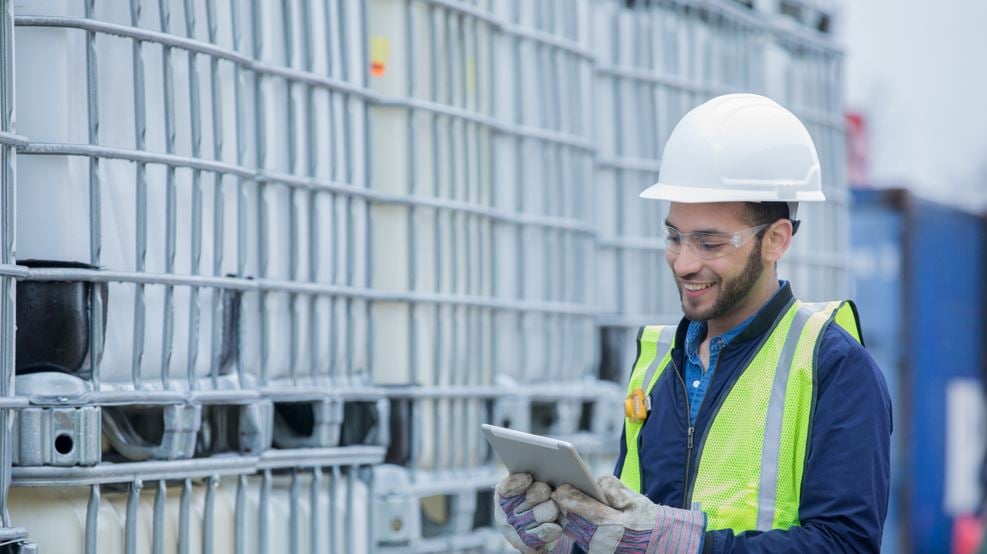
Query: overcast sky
(917, 70)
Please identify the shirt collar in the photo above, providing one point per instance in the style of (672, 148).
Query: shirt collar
(697, 329)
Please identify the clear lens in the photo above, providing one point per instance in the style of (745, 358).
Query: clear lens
(673, 240)
(709, 246)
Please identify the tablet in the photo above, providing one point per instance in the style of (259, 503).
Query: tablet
(549, 460)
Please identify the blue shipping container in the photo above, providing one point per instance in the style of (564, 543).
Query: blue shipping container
(919, 278)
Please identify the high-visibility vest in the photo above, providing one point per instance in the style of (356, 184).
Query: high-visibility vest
(751, 460)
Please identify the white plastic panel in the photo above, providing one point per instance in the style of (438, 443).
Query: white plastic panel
(255, 152)
(296, 512)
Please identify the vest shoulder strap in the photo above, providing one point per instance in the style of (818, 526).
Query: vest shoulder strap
(654, 342)
(848, 318)
(663, 336)
(844, 314)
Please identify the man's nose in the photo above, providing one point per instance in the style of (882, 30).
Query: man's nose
(686, 262)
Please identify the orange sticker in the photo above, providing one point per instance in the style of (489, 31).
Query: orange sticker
(379, 47)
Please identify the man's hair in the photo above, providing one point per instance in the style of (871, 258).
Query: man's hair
(761, 213)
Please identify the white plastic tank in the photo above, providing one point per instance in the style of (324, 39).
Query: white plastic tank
(55, 517)
(239, 221)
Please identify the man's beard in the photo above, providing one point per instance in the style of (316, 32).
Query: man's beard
(732, 292)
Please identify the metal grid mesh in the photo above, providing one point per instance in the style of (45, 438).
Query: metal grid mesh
(299, 209)
(492, 128)
(812, 77)
(9, 140)
(236, 264)
(657, 61)
(288, 224)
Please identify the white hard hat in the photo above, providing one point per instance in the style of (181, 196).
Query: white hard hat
(739, 148)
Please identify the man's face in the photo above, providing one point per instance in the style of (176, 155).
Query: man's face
(711, 289)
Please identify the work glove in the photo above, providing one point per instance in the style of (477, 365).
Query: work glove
(630, 523)
(526, 514)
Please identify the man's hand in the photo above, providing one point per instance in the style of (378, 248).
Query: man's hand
(631, 522)
(527, 515)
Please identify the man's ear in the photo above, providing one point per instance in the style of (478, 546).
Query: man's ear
(776, 240)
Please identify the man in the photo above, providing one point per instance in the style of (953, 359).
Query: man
(759, 423)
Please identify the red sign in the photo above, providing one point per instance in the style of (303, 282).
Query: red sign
(856, 149)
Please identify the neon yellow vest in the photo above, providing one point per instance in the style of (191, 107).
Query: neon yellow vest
(751, 460)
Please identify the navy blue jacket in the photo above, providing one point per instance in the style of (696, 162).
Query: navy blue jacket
(846, 479)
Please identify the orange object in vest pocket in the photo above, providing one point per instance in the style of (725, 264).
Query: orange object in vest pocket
(636, 405)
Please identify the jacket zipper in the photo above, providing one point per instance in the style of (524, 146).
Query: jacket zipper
(692, 430)
(689, 441)
(686, 493)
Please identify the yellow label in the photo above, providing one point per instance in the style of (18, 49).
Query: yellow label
(636, 406)
(379, 49)
(471, 75)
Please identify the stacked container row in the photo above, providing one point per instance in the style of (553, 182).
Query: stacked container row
(279, 260)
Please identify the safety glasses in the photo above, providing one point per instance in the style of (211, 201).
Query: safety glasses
(709, 246)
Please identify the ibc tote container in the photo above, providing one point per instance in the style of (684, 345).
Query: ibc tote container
(195, 181)
(918, 273)
(230, 157)
(484, 246)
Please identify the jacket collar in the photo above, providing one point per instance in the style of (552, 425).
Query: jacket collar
(758, 326)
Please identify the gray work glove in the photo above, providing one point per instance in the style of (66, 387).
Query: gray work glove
(526, 514)
(630, 523)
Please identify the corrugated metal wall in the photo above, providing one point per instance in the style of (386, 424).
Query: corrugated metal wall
(879, 292)
(279, 260)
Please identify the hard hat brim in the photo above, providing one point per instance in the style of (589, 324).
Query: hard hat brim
(704, 195)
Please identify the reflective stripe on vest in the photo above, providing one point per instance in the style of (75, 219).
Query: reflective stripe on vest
(654, 347)
(752, 457)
